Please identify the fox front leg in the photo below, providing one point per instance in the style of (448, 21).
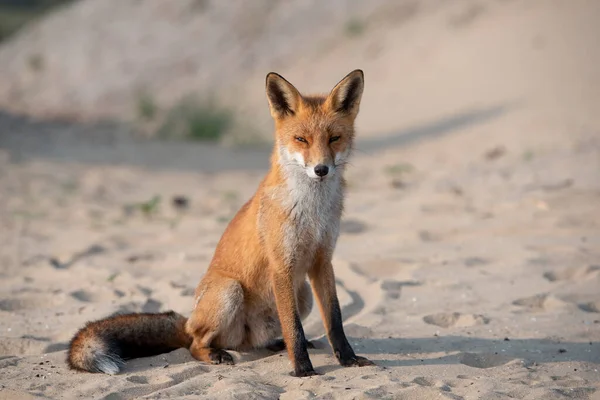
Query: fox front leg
(291, 326)
(323, 282)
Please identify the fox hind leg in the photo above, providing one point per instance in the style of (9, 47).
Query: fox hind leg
(217, 322)
(211, 355)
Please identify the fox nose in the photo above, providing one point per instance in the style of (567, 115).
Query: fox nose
(321, 170)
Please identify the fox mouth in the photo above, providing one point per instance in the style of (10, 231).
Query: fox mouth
(319, 179)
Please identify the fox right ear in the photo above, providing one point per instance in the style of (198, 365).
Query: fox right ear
(345, 96)
(283, 97)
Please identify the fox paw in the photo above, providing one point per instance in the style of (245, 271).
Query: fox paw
(302, 374)
(356, 361)
(219, 356)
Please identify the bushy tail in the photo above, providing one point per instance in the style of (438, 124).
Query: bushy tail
(102, 346)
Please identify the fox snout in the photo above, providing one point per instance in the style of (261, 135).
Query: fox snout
(320, 171)
(316, 169)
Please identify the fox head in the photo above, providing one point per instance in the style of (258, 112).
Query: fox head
(314, 133)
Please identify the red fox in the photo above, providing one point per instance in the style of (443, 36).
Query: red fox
(255, 289)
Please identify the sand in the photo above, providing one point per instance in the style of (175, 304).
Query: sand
(462, 274)
(469, 261)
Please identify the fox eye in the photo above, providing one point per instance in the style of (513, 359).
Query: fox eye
(334, 139)
(301, 139)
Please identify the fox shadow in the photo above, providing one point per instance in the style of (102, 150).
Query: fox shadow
(471, 351)
(474, 352)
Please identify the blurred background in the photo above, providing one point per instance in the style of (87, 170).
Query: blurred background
(131, 131)
(195, 69)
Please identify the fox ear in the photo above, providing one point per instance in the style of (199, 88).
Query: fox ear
(345, 96)
(283, 97)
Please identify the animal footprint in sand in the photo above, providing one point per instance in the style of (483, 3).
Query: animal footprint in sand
(592, 306)
(392, 288)
(544, 302)
(39, 301)
(475, 262)
(540, 302)
(455, 319)
(573, 274)
(138, 379)
(150, 306)
(97, 295)
(86, 296)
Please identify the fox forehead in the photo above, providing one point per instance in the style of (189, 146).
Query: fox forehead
(315, 122)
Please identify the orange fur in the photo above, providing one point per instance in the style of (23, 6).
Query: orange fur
(255, 288)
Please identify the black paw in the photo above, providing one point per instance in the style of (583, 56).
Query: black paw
(302, 374)
(356, 361)
(219, 356)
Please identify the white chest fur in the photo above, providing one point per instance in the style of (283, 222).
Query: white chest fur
(314, 208)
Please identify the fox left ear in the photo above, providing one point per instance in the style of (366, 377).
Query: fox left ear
(345, 96)
(283, 97)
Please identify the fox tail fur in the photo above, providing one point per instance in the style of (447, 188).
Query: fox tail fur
(104, 345)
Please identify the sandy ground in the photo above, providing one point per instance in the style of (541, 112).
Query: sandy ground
(468, 267)
(469, 262)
